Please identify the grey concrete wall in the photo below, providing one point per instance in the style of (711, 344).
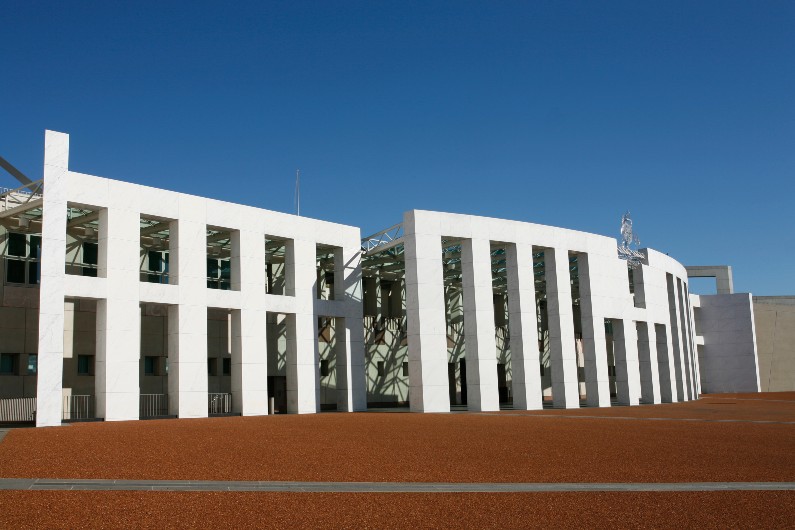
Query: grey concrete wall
(775, 338)
(728, 357)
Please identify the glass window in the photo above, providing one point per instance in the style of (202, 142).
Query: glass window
(33, 363)
(324, 367)
(17, 245)
(34, 250)
(90, 253)
(149, 365)
(15, 271)
(227, 366)
(155, 261)
(212, 268)
(33, 273)
(7, 363)
(226, 274)
(84, 365)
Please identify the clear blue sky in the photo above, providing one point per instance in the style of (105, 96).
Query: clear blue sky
(561, 113)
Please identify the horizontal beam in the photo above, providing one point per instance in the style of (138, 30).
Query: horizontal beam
(22, 208)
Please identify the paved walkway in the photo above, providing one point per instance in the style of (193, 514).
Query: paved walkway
(377, 487)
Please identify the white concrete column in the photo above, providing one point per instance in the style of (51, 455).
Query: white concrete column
(118, 342)
(187, 321)
(685, 351)
(425, 312)
(597, 381)
(664, 363)
(303, 378)
(249, 340)
(522, 326)
(560, 318)
(351, 378)
(694, 347)
(676, 339)
(647, 359)
(479, 332)
(49, 385)
(625, 341)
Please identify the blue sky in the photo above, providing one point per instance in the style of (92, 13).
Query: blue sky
(560, 113)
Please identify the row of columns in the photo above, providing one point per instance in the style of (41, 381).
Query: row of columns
(644, 367)
(118, 310)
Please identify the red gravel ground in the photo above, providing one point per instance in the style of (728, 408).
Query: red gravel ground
(122, 509)
(543, 446)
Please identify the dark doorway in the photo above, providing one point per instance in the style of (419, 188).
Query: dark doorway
(451, 382)
(463, 364)
(502, 383)
(277, 389)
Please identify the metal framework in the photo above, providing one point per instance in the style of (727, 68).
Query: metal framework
(383, 240)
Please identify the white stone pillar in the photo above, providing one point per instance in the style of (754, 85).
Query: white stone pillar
(647, 359)
(425, 312)
(693, 346)
(351, 378)
(560, 317)
(664, 363)
(685, 350)
(303, 378)
(118, 331)
(676, 339)
(522, 325)
(625, 341)
(187, 321)
(49, 385)
(249, 325)
(479, 332)
(597, 381)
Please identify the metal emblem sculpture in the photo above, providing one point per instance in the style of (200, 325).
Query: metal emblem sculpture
(628, 238)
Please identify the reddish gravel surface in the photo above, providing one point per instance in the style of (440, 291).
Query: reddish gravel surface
(541, 446)
(500, 447)
(55, 509)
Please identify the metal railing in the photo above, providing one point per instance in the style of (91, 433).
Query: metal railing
(219, 403)
(18, 409)
(153, 405)
(80, 407)
(154, 276)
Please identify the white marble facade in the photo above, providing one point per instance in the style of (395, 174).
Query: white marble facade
(654, 350)
(120, 293)
(652, 337)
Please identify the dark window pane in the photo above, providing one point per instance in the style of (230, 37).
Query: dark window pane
(226, 269)
(324, 367)
(6, 363)
(17, 245)
(15, 271)
(212, 268)
(90, 253)
(227, 366)
(33, 273)
(149, 365)
(33, 364)
(35, 247)
(84, 365)
(155, 261)
(89, 272)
